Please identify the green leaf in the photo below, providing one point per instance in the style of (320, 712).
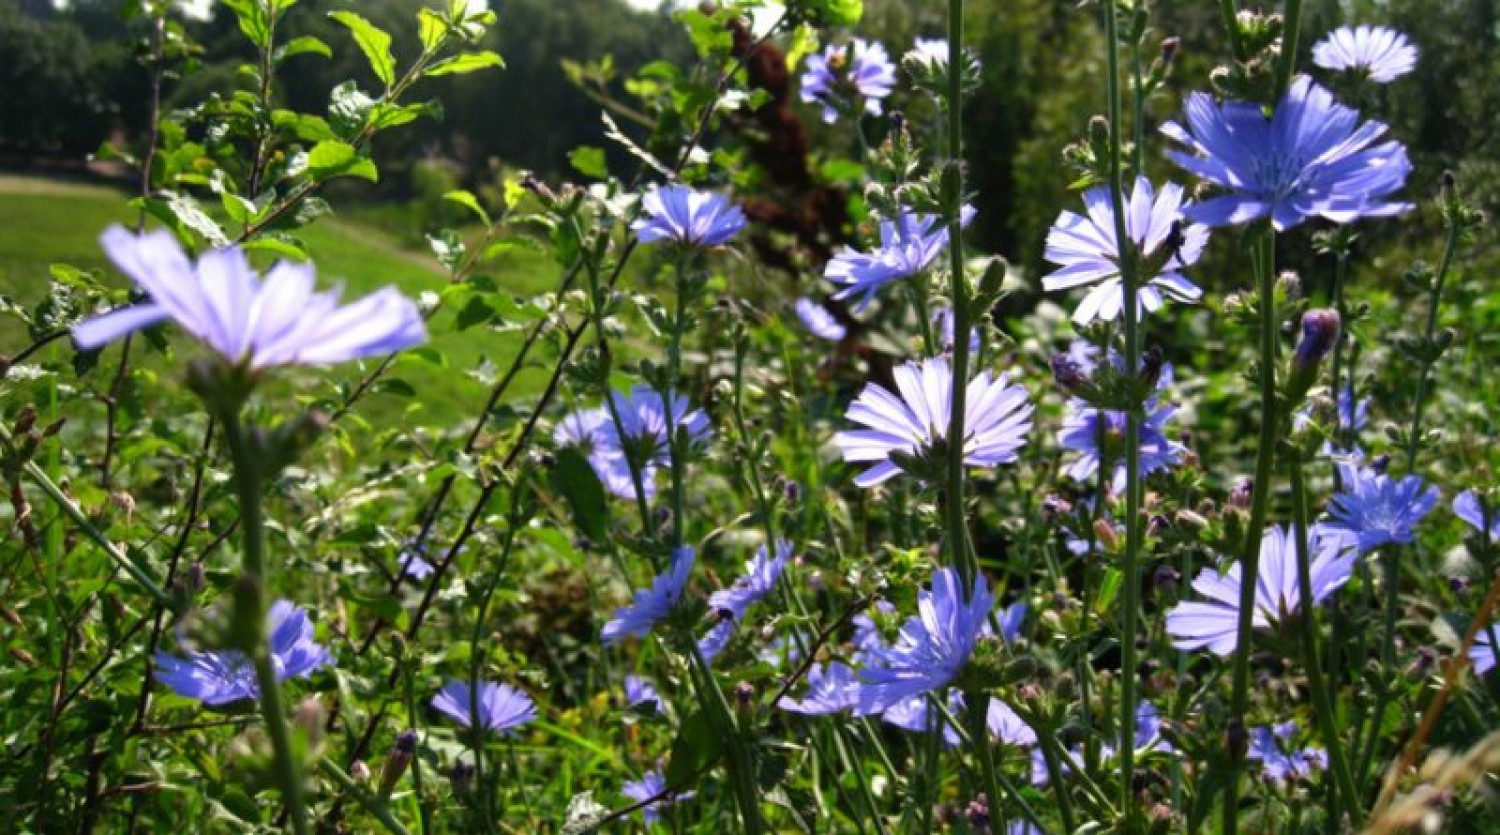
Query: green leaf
(466, 63)
(476, 312)
(332, 158)
(280, 245)
(470, 202)
(1108, 589)
(374, 43)
(589, 161)
(696, 747)
(349, 108)
(575, 479)
(253, 21)
(302, 45)
(430, 29)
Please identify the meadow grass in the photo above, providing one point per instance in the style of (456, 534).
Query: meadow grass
(47, 221)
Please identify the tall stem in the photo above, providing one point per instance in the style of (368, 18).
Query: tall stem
(1130, 564)
(1265, 456)
(958, 551)
(1326, 718)
(253, 611)
(1450, 243)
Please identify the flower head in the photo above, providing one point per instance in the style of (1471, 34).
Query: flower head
(996, 420)
(942, 323)
(639, 693)
(831, 688)
(220, 677)
(497, 708)
(761, 573)
(688, 217)
(1214, 624)
(716, 639)
(652, 784)
(585, 430)
(933, 646)
(644, 420)
(1380, 52)
(842, 72)
(652, 605)
(1312, 158)
(1377, 509)
(1468, 507)
(908, 246)
(1087, 252)
(1098, 435)
(413, 560)
(914, 714)
(259, 324)
(819, 322)
(1277, 764)
(1482, 653)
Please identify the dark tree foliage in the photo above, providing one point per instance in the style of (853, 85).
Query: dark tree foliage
(64, 90)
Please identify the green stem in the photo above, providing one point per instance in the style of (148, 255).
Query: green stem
(957, 521)
(476, 666)
(1450, 244)
(1326, 718)
(252, 611)
(1130, 564)
(64, 503)
(371, 804)
(1265, 455)
(1289, 32)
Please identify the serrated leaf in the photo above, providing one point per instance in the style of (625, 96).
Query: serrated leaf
(575, 479)
(373, 42)
(332, 158)
(466, 63)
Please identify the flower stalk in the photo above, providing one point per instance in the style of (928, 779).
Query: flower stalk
(252, 608)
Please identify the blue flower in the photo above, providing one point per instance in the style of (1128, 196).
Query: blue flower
(834, 77)
(942, 323)
(639, 693)
(220, 677)
(1214, 625)
(652, 605)
(1312, 158)
(933, 646)
(819, 322)
(1148, 740)
(1277, 764)
(643, 417)
(500, 707)
(761, 573)
(585, 430)
(413, 560)
(867, 634)
(650, 785)
(688, 217)
(224, 304)
(1085, 427)
(1482, 653)
(908, 246)
(1467, 506)
(1086, 251)
(716, 639)
(996, 420)
(1376, 509)
(831, 688)
(1001, 721)
(1380, 52)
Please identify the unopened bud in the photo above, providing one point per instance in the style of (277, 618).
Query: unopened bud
(26, 419)
(978, 814)
(1105, 531)
(1320, 331)
(1069, 373)
(1169, 49)
(359, 771)
(397, 760)
(1241, 495)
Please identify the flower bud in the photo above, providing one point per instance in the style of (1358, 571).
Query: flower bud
(1069, 374)
(397, 760)
(359, 771)
(1241, 495)
(1169, 49)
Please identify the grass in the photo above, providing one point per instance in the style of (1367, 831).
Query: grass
(46, 221)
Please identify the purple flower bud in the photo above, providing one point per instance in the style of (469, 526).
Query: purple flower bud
(1240, 496)
(1070, 375)
(1320, 330)
(1169, 49)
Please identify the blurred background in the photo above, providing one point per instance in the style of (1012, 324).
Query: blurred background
(72, 82)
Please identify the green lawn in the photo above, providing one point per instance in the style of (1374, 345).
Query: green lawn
(44, 221)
